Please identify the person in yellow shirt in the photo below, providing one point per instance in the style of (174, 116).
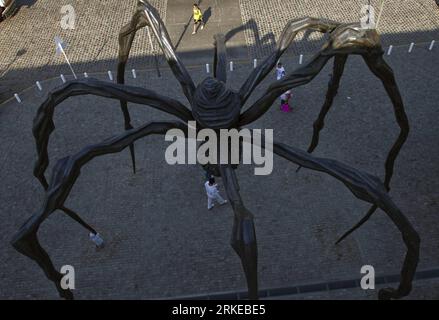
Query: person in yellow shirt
(198, 18)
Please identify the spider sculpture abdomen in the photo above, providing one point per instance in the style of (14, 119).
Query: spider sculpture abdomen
(214, 106)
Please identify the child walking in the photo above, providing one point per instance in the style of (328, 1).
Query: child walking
(280, 71)
(285, 102)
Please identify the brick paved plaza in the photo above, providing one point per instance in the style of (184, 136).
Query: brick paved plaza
(161, 242)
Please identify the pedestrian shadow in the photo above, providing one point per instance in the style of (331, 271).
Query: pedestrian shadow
(27, 3)
(13, 7)
(266, 42)
(207, 14)
(263, 45)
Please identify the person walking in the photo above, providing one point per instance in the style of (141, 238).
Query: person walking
(285, 102)
(285, 97)
(213, 194)
(280, 71)
(198, 18)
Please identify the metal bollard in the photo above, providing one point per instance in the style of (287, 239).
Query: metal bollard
(39, 86)
(17, 97)
(389, 52)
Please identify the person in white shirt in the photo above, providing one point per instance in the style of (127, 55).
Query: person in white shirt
(285, 97)
(280, 71)
(213, 194)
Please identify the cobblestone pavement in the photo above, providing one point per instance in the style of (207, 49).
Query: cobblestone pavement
(401, 22)
(161, 240)
(28, 48)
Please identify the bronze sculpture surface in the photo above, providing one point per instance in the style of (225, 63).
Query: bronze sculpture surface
(215, 106)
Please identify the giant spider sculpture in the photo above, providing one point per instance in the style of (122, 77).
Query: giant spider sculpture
(216, 107)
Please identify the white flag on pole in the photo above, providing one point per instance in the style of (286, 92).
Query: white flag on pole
(60, 49)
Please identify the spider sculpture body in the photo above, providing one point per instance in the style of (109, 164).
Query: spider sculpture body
(215, 106)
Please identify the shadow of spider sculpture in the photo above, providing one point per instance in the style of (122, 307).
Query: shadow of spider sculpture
(216, 107)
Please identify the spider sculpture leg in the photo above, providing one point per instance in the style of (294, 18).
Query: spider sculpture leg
(298, 78)
(382, 70)
(146, 15)
(370, 189)
(64, 175)
(72, 214)
(345, 39)
(334, 83)
(220, 58)
(243, 234)
(288, 35)
(126, 38)
(44, 125)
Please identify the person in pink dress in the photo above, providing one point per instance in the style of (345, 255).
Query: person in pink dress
(285, 102)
